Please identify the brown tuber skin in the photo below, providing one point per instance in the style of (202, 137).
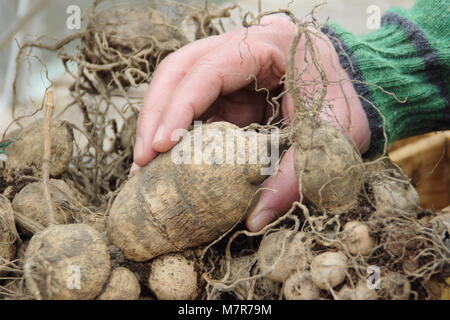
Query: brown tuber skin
(122, 285)
(173, 277)
(29, 202)
(131, 28)
(392, 189)
(27, 151)
(281, 263)
(53, 257)
(8, 233)
(169, 207)
(318, 146)
(396, 285)
(299, 286)
(391, 195)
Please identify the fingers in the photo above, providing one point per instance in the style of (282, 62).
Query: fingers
(278, 200)
(187, 82)
(165, 79)
(221, 72)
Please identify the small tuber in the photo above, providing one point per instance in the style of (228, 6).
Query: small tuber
(26, 153)
(299, 286)
(357, 239)
(121, 285)
(173, 277)
(329, 269)
(328, 167)
(66, 262)
(277, 262)
(30, 205)
(8, 234)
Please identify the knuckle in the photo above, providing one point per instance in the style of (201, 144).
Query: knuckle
(146, 114)
(143, 118)
(204, 64)
(276, 21)
(169, 60)
(170, 64)
(190, 111)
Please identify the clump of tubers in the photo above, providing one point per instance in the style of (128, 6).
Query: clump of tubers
(187, 191)
(134, 234)
(31, 208)
(8, 234)
(121, 285)
(174, 277)
(26, 152)
(357, 239)
(66, 262)
(277, 262)
(329, 269)
(319, 145)
(299, 286)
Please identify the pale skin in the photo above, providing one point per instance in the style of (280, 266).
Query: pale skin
(213, 79)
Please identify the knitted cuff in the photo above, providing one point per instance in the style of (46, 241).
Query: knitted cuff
(401, 71)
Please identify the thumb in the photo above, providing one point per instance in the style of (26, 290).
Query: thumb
(277, 200)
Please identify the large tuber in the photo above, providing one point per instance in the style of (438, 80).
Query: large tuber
(179, 201)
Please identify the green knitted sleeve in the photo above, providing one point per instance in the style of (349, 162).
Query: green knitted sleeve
(401, 71)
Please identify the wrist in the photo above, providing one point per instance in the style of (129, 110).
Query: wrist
(400, 71)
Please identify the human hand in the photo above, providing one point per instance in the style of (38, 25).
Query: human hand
(213, 78)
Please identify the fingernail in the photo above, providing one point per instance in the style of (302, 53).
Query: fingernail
(134, 169)
(138, 148)
(159, 136)
(260, 220)
(258, 217)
